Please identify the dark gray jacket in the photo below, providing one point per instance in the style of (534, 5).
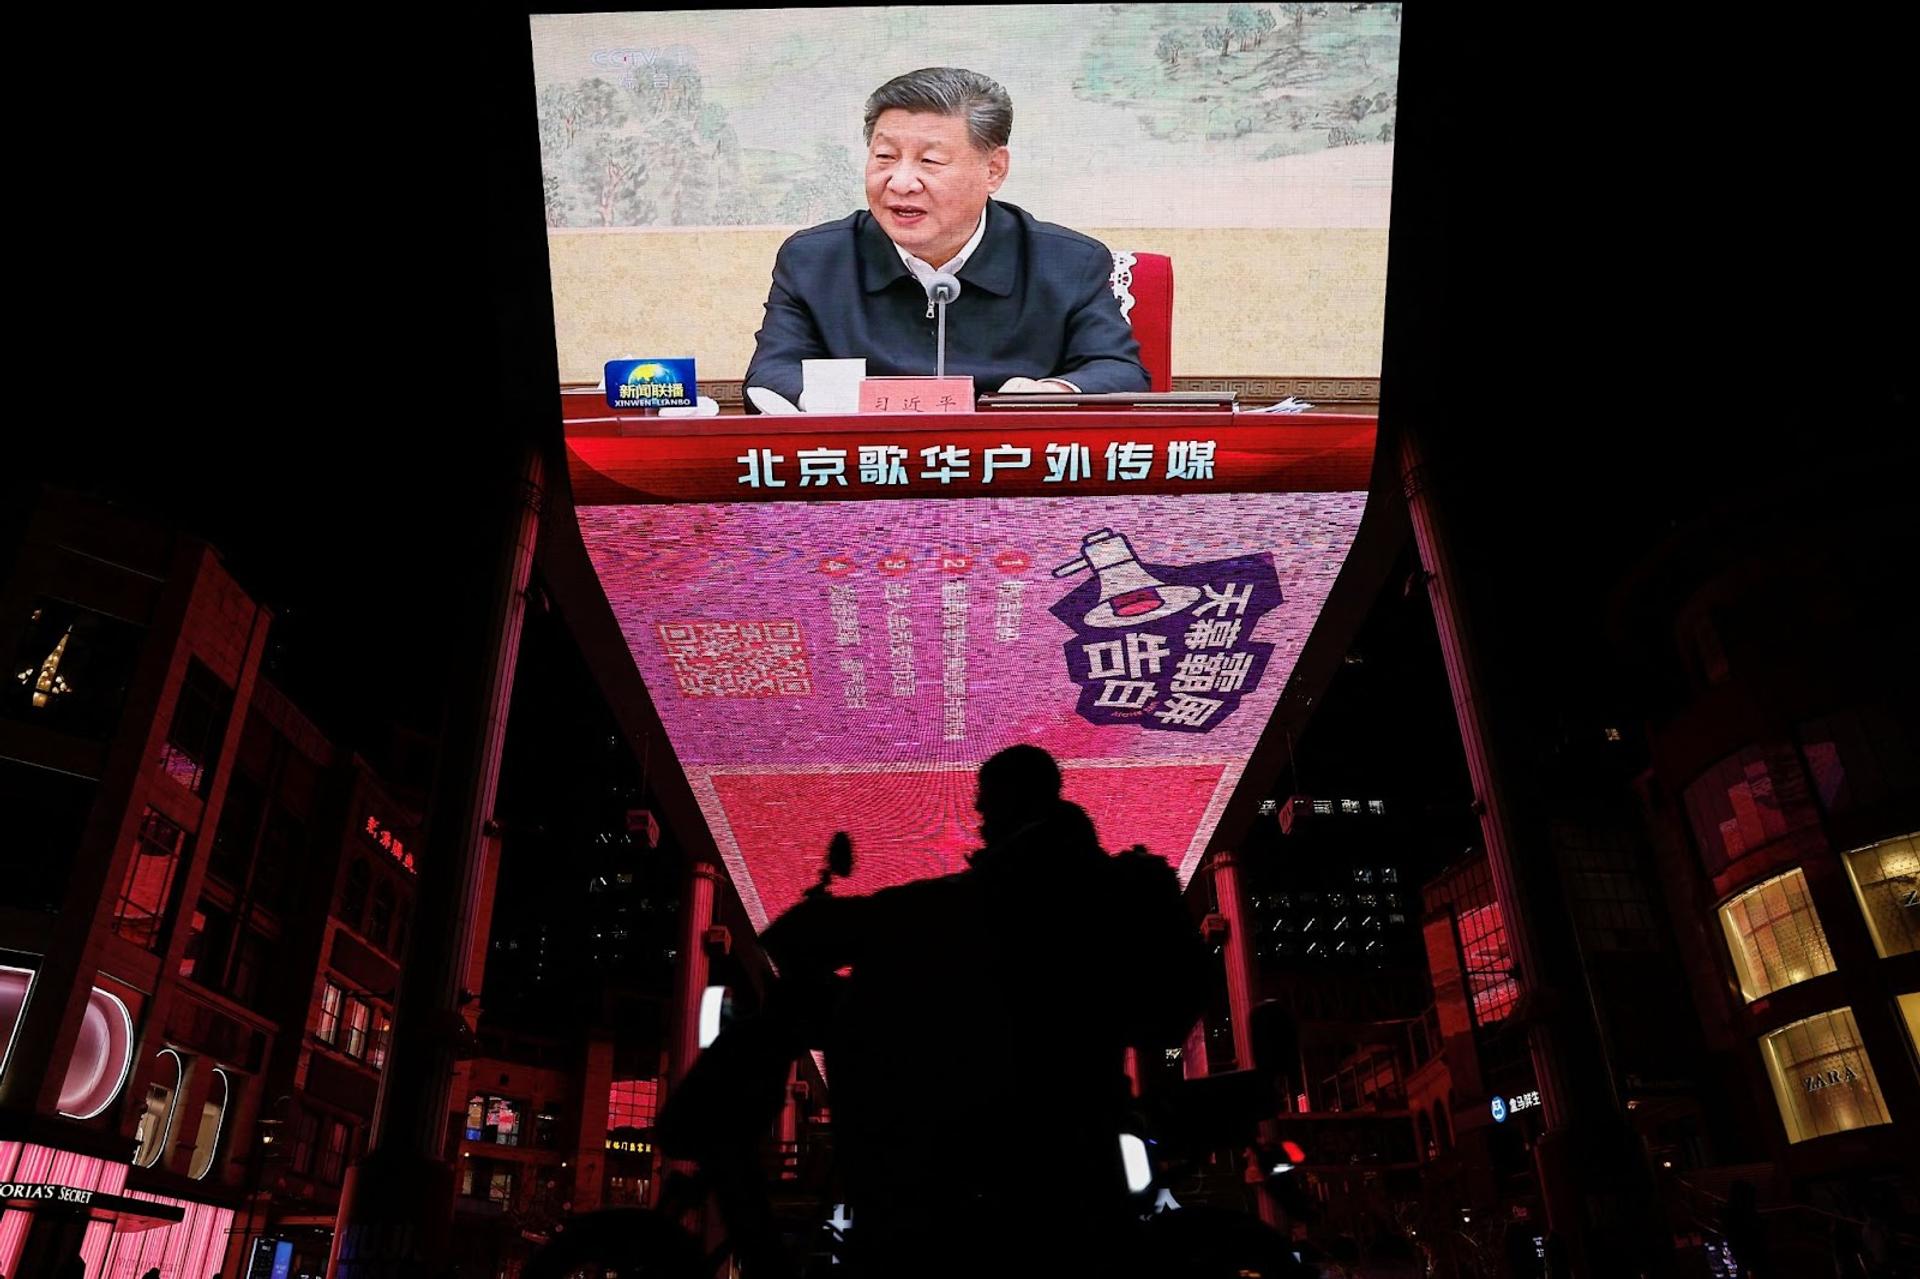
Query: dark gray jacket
(1035, 302)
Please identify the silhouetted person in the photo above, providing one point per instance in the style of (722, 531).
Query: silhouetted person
(977, 1081)
(74, 1267)
(153, 1272)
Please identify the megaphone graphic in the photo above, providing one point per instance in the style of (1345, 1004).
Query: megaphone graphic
(1129, 595)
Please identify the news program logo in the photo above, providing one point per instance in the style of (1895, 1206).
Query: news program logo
(650, 384)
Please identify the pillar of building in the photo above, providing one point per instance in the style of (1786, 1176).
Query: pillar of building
(1193, 1054)
(790, 1126)
(691, 971)
(690, 984)
(1239, 954)
(1587, 1168)
(590, 1154)
(1483, 770)
(1240, 983)
(396, 1206)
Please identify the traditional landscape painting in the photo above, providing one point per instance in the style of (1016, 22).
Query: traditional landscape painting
(1124, 114)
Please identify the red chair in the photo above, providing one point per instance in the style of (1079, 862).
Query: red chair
(1144, 284)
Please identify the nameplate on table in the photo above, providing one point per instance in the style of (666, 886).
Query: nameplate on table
(916, 395)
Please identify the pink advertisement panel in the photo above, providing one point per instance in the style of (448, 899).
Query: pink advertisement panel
(835, 665)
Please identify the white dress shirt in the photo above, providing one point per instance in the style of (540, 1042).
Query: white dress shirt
(923, 271)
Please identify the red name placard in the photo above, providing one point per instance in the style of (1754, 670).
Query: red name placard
(1012, 454)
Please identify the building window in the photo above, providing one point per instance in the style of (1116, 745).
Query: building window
(1607, 892)
(1886, 879)
(379, 1041)
(333, 1158)
(1377, 807)
(1745, 801)
(152, 1133)
(306, 1137)
(46, 814)
(276, 867)
(252, 968)
(148, 888)
(1821, 1077)
(1368, 1081)
(359, 1017)
(71, 669)
(233, 838)
(1487, 963)
(503, 1121)
(199, 724)
(631, 1102)
(193, 954)
(500, 1187)
(331, 999)
(209, 943)
(1910, 1013)
(380, 918)
(1775, 936)
(353, 896)
(213, 1122)
(476, 1117)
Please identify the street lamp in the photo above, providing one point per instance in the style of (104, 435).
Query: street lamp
(268, 1145)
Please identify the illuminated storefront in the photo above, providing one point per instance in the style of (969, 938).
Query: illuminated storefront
(1886, 879)
(1822, 1079)
(54, 1201)
(1775, 936)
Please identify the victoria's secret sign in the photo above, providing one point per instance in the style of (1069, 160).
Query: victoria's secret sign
(44, 1190)
(50, 1192)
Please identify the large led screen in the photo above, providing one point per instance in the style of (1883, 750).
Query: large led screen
(825, 661)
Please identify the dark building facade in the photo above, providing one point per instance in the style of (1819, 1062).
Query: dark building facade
(205, 917)
(1783, 798)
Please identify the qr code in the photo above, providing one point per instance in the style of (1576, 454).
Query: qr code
(738, 659)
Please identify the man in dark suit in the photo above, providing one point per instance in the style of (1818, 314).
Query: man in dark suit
(1035, 311)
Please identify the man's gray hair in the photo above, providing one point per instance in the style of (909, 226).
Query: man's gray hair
(949, 91)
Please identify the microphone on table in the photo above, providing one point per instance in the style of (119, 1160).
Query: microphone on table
(942, 288)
